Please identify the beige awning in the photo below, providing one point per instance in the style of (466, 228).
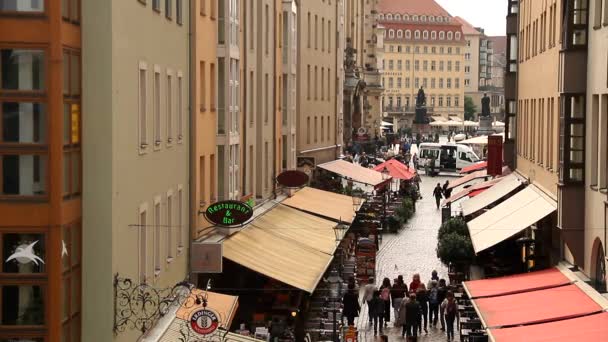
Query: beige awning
(499, 190)
(354, 172)
(468, 178)
(324, 203)
(305, 229)
(510, 217)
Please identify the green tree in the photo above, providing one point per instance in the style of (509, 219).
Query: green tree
(454, 248)
(469, 108)
(454, 225)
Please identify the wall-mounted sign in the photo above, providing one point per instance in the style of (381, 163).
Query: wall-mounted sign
(292, 179)
(206, 257)
(228, 213)
(204, 321)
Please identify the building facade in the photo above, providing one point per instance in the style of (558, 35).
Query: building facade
(498, 66)
(41, 173)
(289, 67)
(424, 48)
(136, 188)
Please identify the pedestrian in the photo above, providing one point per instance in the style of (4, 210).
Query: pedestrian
(385, 295)
(412, 315)
(398, 294)
(368, 295)
(351, 305)
(376, 312)
(423, 299)
(450, 308)
(415, 283)
(434, 277)
(442, 291)
(415, 160)
(433, 304)
(438, 193)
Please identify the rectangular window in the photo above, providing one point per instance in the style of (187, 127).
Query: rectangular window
(181, 229)
(449, 65)
(23, 174)
(308, 27)
(179, 12)
(328, 84)
(416, 82)
(180, 108)
(407, 65)
(595, 128)
(212, 184)
(316, 131)
(156, 5)
(169, 228)
(203, 88)
(266, 29)
(441, 83)
(266, 96)
(23, 122)
(329, 36)
(308, 83)
(157, 238)
(308, 130)
(143, 246)
(22, 69)
(157, 109)
(449, 83)
(168, 8)
(407, 82)
(316, 82)
(221, 99)
(322, 34)
(416, 65)
(425, 65)
(316, 31)
(322, 83)
(25, 6)
(143, 106)
(328, 129)
(603, 142)
(169, 109)
(212, 83)
(572, 138)
(250, 169)
(322, 128)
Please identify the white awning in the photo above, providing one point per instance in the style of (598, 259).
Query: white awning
(354, 172)
(510, 217)
(384, 123)
(499, 190)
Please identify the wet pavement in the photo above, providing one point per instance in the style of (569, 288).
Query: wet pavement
(412, 250)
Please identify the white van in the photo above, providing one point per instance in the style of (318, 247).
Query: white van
(448, 157)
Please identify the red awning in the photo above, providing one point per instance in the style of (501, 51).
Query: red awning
(593, 328)
(397, 169)
(553, 304)
(467, 178)
(476, 192)
(474, 167)
(516, 283)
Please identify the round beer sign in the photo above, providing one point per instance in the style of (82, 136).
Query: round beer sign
(204, 322)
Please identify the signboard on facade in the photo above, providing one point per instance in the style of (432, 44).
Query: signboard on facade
(495, 155)
(206, 257)
(228, 213)
(204, 321)
(292, 179)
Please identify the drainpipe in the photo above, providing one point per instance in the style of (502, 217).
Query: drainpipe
(275, 104)
(194, 206)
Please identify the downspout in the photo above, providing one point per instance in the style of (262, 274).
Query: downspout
(275, 104)
(244, 101)
(194, 206)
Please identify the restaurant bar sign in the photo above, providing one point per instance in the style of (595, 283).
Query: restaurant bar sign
(229, 213)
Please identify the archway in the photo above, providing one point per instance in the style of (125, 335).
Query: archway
(598, 266)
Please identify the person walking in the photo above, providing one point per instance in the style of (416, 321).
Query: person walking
(434, 277)
(415, 161)
(368, 295)
(385, 295)
(423, 299)
(351, 305)
(415, 283)
(447, 192)
(412, 316)
(433, 304)
(400, 318)
(376, 312)
(450, 308)
(438, 193)
(398, 294)
(442, 291)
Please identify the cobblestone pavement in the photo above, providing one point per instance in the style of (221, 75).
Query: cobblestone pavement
(410, 251)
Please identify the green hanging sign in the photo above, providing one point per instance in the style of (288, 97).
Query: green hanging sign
(229, 213)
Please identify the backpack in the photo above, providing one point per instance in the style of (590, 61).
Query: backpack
(385, 294)
(433, 296)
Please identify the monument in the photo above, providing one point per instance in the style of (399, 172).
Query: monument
(485, 118)
(420, 118)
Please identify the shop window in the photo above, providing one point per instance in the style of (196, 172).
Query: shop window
(22, 305)
(22, 69)
(22, 6)
(572, 139)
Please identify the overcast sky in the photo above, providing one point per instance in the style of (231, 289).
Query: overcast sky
(488, 14)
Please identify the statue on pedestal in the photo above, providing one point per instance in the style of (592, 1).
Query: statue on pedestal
(485, 106)
(420, 98)
(420, 117)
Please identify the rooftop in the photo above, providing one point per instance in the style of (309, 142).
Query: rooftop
(419, 7)
(467, 28)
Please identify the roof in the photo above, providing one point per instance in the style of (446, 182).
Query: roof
(324, 203)
(499, 44)
(427, 7)
(467, 28)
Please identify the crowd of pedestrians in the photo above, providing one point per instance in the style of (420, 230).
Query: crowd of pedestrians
(415, 308)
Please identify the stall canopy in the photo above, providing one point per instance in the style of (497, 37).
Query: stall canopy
(474, 167)
(516, 283)
(505, 186)
(593, 328)
(285, 244)
(354, 172)
(324, 203)
(509, 217)
(480, 140)
(397, 169)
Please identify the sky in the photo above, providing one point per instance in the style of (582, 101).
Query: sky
(488, 14)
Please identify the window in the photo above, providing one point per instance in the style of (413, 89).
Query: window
(266, 97)
(23, 122)
(329, 36)
(168, 8)
(449, 83)
(448, 101)
(398, 82)
(157, 237)
(181, 229)
(433, 35)
(416, 65)
(456, 101)
(467, 82)
(424, 82)
(457, 83)
(143, 107)
(572, 138)
(425, 35)
(316, 132)
(408, 35)
(179, 12)
(308, 82)
(440, 101)
(441, 83)
(432, 83)
(203, 88)
(308, 27)
(316, 31)
(267, 29)
(157, 114)
(390, 82)
(308, 130)
(23, 174)
(390, 64)
(457, 35)
(399, 33)
(449, 65)
(156, 5)
(416, 34)
(22, 70)
(407, 65)
(316, 83)
(441, 35)
(169, 228)
(425, 65)
(603, 143)
(391, 33)
(416, 82)
(322, 128)
(143, 245)
(25, 6)
(70, 9)
(457, 66)
(440, 65)
(180, 107)
(212, 81)
(322, 83)
(399, 64)
(407, 82)
(169, 107)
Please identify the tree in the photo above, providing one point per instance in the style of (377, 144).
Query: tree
(453, 225)
(454, 248)
(469, 108)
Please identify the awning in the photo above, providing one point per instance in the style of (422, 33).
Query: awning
(397, 169)
(509, 218)
(439, 118)
(474, 193)
(472, 190)
(324, 203)
(535, 306)
(384, 123)
(481, 140)
(593, 328)
(505, 186)
(474, 167)
(354, 172)
(516, 283)
(468, 178)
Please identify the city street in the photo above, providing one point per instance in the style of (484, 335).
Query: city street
(410, 251)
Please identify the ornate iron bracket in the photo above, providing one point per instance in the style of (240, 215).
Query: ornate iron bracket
(140, 306)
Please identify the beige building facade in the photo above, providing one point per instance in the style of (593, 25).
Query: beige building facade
(424, 48)
(289, 67)
(136, 188)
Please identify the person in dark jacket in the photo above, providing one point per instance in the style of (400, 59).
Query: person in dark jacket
(423, 300)
(451, 309)
(442, 291)
(438, 193)
(433, 294)
(412, 316)
(385, 295)
(351, 305)
(398, 294)
(447, 193)
(376, 312)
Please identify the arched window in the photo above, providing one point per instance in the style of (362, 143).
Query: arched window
(433, 35)
(417, 34)
(381, 16)
(389, 17)
(425, 35)
(408, 34)
(449, 35)
(397, 17)
(446, 19)
(431, 18)
(457, 35)
(440, 19)
(423, 18)
(391, 33)
(399, 34)
(415, 18)
(406, 17)
(441, 35)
